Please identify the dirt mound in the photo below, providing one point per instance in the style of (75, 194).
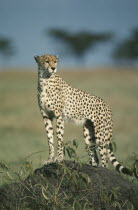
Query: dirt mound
(70, 185)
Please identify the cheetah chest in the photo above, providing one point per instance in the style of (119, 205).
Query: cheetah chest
(50, 99)
(45, 102)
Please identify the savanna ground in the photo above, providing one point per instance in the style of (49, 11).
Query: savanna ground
(22, 133)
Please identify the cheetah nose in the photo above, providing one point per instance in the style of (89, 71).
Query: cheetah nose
(53, 68)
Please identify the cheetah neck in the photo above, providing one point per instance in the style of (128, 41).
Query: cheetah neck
(43, 79)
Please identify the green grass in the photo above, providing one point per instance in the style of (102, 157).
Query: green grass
(22, 131)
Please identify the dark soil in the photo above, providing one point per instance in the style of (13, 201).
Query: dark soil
(69, 185)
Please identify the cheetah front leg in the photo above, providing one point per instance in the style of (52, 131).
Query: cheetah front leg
(50, 134)
(60, 132)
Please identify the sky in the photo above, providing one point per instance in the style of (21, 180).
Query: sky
(24, 21)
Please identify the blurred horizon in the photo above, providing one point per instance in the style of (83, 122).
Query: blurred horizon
(24, 22)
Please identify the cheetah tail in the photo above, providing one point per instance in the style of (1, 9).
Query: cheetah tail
(116, 164)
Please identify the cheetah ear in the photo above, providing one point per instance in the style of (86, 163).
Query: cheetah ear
(36, 57)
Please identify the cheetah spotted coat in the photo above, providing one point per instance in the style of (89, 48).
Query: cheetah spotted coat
(59, 100)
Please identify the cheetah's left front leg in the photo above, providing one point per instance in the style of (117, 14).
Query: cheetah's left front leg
(60, 132)
(49, 131)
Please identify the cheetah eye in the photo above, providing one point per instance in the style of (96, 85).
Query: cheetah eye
(55, 61)
(47, 61)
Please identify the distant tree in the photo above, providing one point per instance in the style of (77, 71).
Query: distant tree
(6, 48)
(79, 43)
(127, 50)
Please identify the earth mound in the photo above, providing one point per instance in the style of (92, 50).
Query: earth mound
(70, 185)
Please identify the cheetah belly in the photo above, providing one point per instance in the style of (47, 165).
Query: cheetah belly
(72, 118)
(73, 113)
(79, 106)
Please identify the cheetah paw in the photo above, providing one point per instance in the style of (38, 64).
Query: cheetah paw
(58, 159)
(50, 160)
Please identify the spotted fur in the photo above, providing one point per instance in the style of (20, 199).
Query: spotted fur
(59, 100)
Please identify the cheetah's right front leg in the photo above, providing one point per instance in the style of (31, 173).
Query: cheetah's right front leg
(50, 134)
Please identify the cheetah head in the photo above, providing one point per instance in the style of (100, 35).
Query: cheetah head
(47, 63)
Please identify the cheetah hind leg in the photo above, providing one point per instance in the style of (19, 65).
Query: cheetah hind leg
(90, 141)
(103, 154)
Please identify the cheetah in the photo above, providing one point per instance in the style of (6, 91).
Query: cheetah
(57, 99)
